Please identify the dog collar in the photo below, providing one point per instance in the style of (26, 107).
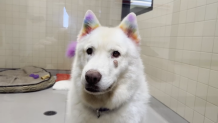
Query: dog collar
(100, 110)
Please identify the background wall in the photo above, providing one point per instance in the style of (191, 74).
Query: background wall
(180, 53)
(32, 31)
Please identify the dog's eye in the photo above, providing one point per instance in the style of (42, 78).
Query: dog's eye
(116, 54)
(89, 51)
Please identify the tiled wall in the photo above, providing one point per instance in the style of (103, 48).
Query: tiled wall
(32, 31)
(180, 54)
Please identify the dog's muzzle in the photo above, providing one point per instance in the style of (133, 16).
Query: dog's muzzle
(92, 77)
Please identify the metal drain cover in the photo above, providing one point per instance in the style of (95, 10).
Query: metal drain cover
(50, 113)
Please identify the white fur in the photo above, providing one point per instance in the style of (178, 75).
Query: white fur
(128, 97)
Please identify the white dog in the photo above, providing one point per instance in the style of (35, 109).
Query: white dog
(108, 83)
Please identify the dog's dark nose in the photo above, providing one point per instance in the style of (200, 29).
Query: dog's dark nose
(92, 77)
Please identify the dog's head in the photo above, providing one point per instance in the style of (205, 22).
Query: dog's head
(104, 54)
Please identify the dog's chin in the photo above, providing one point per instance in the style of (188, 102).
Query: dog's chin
(96, 90)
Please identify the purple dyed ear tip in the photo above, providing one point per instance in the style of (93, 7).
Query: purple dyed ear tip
(131, 17)
(71, 49)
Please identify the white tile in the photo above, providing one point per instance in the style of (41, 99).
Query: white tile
(196, 43)
(183, 83)
(183, 5)
(174, 31)
(2, 64)
(198, 118)
(2, 52)
(198, 28)
(209, 28)
(178, 56)
(216, 31)
(175, 92)
(207, 44)
(212, 96)
(211, 112)
(203, 75)
(182, 16)
(192, 3)
(200, 13)
(181, 30)
(160, 95)
(215, 45)
(201, 91)
(213, 81)
(179, 43)
(170, 8)
(8, 64)
(181, 109)
(176, 5)
(193, 72)
(190, 29)
(152, 89)
(182, 96)
(168, 31)
(168, 89)
(167, 100)
(188, 114)
(162, 86)
(205, 60)
(162, 31)
(211, 1)
(184, 71)
(200, 105)
(190, 100)
(201, 2)
(175, 18)
(176, 80)
(170, 68)
(169, 19)
(173, 104)
(192, 85)
(187, 45)
(211, 11)
(190, 15)
(186, 56)
(194, 60)
(214, 62)
(177, 68)
(207, 120)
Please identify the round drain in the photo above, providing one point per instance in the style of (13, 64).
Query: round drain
(50, 113)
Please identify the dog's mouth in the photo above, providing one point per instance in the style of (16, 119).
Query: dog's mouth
(93, 89)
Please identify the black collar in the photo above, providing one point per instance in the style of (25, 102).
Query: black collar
(100, 110)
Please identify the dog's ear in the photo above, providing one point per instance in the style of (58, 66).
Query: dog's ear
(130, 27)
(90, 23)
